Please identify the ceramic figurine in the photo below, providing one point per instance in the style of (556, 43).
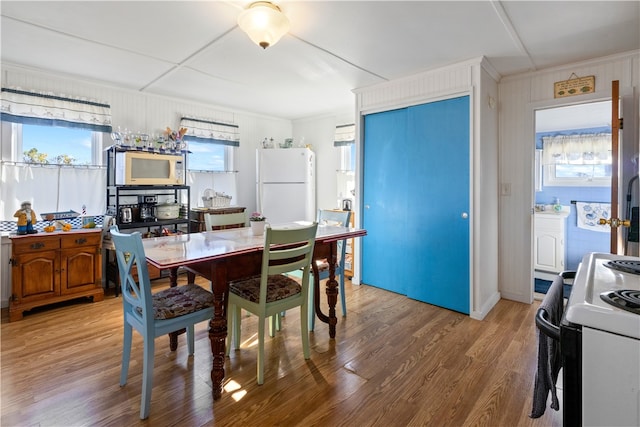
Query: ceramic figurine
(26, 218)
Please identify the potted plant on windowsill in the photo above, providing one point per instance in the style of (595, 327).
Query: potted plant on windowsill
(257, 221)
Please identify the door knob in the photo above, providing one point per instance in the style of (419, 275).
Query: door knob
(615, 222)
(464, 215)
(367, 206)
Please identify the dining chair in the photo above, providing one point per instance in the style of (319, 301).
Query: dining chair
(153, 315)
(273, 291)
(224, 220)
(341, 219)
(327, 217)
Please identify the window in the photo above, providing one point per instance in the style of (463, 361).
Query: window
(48, 187)
(577, 160)
(56, 145)
(577, 175)
(348, 157)
(207, 156)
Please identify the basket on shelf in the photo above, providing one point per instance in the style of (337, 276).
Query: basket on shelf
(214, 199)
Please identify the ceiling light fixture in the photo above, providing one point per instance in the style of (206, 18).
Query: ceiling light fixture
(264, 23)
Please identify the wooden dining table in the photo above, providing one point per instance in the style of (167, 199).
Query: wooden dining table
(226, 255)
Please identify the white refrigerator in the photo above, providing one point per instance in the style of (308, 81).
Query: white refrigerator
(286, 184)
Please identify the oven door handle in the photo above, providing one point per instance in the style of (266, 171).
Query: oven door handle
(546, 327)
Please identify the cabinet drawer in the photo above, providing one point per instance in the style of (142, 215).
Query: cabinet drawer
(75, 240)
(37, 244)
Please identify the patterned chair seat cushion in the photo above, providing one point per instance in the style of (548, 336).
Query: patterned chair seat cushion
(180, 300)
(278, 287)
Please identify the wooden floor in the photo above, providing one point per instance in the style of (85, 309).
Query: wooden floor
(394, 362)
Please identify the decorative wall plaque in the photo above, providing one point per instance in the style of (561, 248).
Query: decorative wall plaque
(574, 86)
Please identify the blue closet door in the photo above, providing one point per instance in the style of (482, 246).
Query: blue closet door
(384, 173)
(416, 197)
(439, 135)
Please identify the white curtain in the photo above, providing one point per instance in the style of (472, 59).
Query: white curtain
(29, 107)
(345, 134)
(206, 130)
(587, 149)
(52, 189)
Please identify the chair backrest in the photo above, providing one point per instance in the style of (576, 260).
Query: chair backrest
(287, 250)
(220, 220)
(340, 219)
(136, 295)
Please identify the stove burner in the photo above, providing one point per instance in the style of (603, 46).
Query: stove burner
(626, 266)
(626, 299)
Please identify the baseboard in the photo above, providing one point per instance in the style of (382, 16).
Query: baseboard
(486, 307)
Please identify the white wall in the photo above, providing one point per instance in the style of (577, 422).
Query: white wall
(320, 133)
(142, 112)
(519, 96)
(148, 113)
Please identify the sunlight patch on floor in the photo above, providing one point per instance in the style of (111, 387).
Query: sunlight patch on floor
(235, 390)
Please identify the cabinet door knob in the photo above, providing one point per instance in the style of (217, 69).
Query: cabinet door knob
(464, 215)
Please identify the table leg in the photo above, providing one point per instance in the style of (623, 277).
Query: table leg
(173, 277)
(218, 325)
(331, 289)
(173, 336)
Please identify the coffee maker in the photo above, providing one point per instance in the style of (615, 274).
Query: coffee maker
(147, 205)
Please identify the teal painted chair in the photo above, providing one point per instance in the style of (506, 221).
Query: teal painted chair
(327, 217)
(153, 315)
(273, 291)
(339, 218)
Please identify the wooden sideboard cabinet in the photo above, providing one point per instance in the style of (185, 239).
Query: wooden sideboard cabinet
(197, 217)
(47, 268)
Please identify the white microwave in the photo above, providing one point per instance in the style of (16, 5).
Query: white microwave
(144, 168)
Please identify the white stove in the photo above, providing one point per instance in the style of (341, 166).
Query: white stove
(600, 343)
(598, 274)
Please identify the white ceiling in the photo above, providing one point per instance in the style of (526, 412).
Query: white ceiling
(194, 50)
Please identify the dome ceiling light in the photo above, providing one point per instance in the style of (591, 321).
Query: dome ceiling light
(264, 23)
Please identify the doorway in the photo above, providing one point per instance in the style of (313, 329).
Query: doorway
(572, 186)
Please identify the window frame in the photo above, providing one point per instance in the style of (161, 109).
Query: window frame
(16, 149)
(228, 152)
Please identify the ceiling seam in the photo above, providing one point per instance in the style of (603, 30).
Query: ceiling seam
(63, 33)
(339, 57)
(174, 66)
(189, 58)
(515, 37)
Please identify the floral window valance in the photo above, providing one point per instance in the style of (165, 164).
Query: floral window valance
(345, 135)
(204, 130)
(47, 109)
(586, 149)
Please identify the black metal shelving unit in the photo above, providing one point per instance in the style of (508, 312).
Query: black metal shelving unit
(119, 196)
